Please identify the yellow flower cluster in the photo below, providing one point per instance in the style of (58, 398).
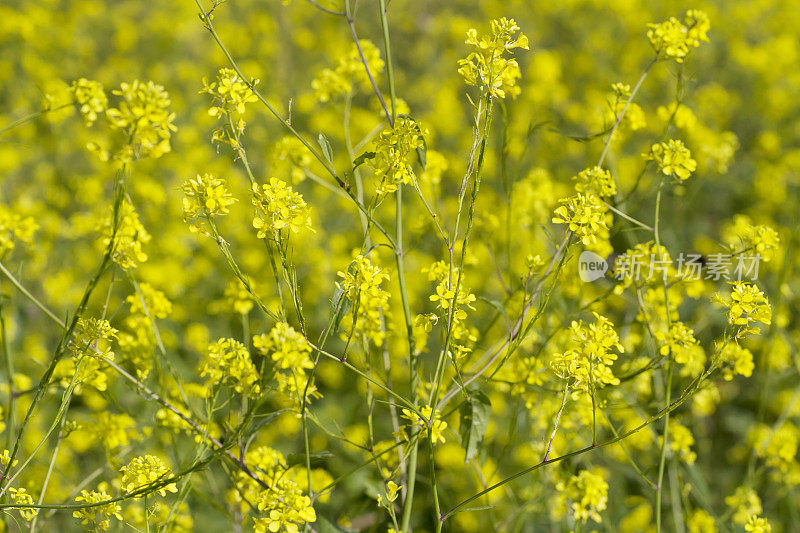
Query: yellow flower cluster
(744, 237)
(230, 93)
(283, 506)
(15, 227)
(585, 215)
(361, 284)
(279, 207)
(91, 98)
(681, 442)
(348, 72)
(143, 121)
(595, 181)
(489, 66)
(392, 149)
(90, 343)
(290, 352)
(587, 494)
(21, 497)
(205, 197)
(678, 341)
(451, 306)
(587, 364)
(97, 517)
(675, 39)
(129, 238)
(136, 339)
(432, 423)
(746, 305)
(144, 471)
(673, 159)
(228, 361)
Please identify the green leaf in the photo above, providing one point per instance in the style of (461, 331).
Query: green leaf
(360, 160)
(326, 148)
(294, 459)
(475, 412)
(340, 304)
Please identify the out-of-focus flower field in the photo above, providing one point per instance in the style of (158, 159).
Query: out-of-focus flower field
(399, 266)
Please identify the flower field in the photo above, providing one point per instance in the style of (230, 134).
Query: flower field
(392, 266)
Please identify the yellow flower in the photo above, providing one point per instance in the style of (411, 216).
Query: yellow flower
(674, 40)
(279, 207)
(588, 492)
(91, 98)
(228, 361)
(205, 197)
(746, 306)
(673, 159)
(97, 516)
(144, 471)
(432, 423)
(584, 215)
(489, 66)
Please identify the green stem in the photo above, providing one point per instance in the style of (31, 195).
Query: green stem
(668, 391)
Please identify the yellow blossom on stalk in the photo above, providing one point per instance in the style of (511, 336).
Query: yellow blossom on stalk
(205, 197)
(349, 71)
(588, 494)
(278, 207)
(489, 66)
(675, 39)
(144, 120)
(155, 303)
(679, 341)
(283, 506)
(230, 93)
(745, 503)
(432, 423)
(392, 149)
(143, 471)
(450, 306)
(291, 157)
(778, 447)
(673, 159)
(113, 430)
(361, 285)
(21, 497)
(13, 228)
(746, 306)
(237, 297)
(286, 508)
(584, 215)
(93, 336)
(228, 361)
(98, 517)
(129, 239)
(757, 524)
(596, 181)
(588, 363)
(288, 348)
(91, 98)
(634, 117)
(701, 522)
(681, 442)
(744, 237)
(736, 360)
